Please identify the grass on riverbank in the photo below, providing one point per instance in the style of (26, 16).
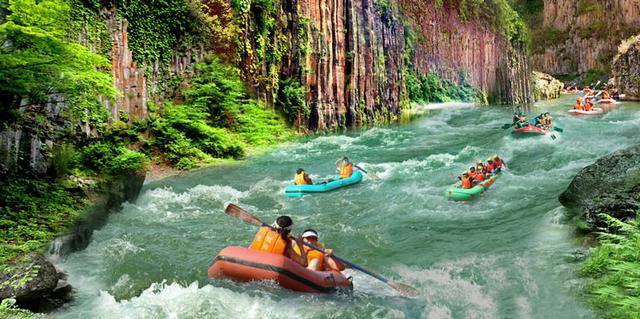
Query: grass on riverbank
(613, 269)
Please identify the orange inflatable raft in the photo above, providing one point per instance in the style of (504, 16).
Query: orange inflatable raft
(244, 264)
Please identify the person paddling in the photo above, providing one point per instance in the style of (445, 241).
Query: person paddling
(522, 122)
(577, 105)
(277, 239)
(302, 178)
(317, 260)
(490, 166)
(465, 181)
(546, 120)
(344, 167)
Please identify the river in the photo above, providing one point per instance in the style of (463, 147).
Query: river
(509, 254)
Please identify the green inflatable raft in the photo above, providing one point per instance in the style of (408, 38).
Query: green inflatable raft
(461, 194)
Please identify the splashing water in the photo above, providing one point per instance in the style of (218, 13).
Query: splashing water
(502, 256)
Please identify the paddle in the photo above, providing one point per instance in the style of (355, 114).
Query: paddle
(237, 212)
(506, 126)
(370, 174)
(559, 129)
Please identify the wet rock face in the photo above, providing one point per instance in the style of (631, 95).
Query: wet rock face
(626, 71)
(546, 87)
(588, 33)
(611, 185)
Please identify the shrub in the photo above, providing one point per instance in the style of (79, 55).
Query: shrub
(614, 269)
(291, 99)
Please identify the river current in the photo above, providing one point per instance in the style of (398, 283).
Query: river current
(510, 254)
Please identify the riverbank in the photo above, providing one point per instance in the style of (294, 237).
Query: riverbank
(605, 197)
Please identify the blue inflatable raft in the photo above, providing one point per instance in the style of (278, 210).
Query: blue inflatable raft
(301, 190)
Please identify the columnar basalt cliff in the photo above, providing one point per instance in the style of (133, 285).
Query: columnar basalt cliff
(626, 70)
(350, 57)
(578, 36)
(467, 51)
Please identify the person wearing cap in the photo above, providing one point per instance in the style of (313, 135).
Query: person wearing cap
(317, 260)
(277, 239)
(465, 181)
(522, 122)
(344, 167)
(481, 169)
(516, 117)
(302, 178)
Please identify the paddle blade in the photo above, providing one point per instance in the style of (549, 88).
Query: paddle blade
(558, 129)
(553, 137)
(506, 126)
(374, 176)
(237, 212)
(403, 289)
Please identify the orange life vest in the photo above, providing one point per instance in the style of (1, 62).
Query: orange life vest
(587, 106)
(577, 106)
(497, 163)
(345, 170)
(472, 174)
(299, 179)
(466, 182)
(268, 240)
(606, 95)
(490, 167)
(479, 178)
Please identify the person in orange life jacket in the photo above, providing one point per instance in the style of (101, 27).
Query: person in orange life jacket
(587, 105)
(472, 172)
(490, 166)
(522, 122)
(498, 163)
(577, 105)
(302, 178)
(279, 241)
(344, 167)
(606, 95)
(317, 260)
(465, 181)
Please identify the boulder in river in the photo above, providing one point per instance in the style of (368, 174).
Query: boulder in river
(611, 185)
(34, 282)
(545, 86)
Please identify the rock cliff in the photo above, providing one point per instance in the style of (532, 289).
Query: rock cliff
(546, 87)
(626, 69)
(578, 36)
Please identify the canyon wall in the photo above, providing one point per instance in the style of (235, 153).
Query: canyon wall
(626, 70)
(350, 57)
(578, 36)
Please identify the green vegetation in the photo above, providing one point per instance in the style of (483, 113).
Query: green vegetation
(587, 6)
(546, 37)
(33, 213)
(217, 119)
(291, 99)
(35, 53)
(9, 310)
(614, 269)
(430, 88)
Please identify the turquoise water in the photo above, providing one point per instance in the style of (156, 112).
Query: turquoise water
(507, 255)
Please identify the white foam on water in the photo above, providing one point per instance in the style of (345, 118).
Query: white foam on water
(444, 284)
(164, 205)
(441, 106)
(438, 312)
(163, 300)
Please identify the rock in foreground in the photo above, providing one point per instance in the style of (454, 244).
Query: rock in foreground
(610, 185)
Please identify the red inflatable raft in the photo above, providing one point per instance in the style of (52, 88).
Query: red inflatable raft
(244, 264)
(529, 130)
